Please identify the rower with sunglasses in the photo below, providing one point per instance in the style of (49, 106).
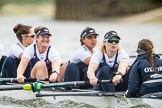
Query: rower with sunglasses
(112, 62)
(78, 64)
(25, 36)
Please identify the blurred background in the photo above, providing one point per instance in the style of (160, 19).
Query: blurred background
(79, 9)
(132, 19)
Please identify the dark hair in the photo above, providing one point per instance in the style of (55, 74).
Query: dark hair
(84, 30)
(20, 29)
(147, 46)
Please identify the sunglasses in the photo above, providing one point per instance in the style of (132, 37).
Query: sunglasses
(32, 35)
(113, 41)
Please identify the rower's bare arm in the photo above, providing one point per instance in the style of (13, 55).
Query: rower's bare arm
(121, 71)
(91, 73)
(21, 68)
(56, 65)
(123, 65)
(55, 70)
(22, 65)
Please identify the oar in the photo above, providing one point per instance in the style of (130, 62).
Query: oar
(73, 83)
(85, 93)
(37, 86)
(14, 80)
(156, 95)
(92, 93)
(134, 56)
(12, 87)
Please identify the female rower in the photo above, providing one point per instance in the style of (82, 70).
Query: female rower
(111, 62)
(25, 36)
(44, 58)
(145, 72)
(76, 69)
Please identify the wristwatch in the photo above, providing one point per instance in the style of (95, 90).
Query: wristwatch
(119, 73)
(54, 72)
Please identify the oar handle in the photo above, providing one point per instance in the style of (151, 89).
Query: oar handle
(6, 80)
(35, 79)
(104, 81)
(14, 80)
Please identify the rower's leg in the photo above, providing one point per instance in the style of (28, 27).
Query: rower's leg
(9, 68)
(39, 70)
(123, 85)
(71, 73)
(105, 73)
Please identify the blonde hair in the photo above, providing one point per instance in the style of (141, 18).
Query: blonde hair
(39, 28)
(102, 48)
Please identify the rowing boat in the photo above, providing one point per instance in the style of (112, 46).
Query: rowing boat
(95, 99)
(104, 100)
(90, 97)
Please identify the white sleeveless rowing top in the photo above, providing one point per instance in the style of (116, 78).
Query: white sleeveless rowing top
(98, 57)
(16, 50)
(81, 54)
(52, 54)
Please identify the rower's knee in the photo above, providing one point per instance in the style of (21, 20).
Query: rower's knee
(40, 65)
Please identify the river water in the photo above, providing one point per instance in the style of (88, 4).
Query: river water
(66, 34)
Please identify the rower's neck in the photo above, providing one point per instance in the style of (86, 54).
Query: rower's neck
(111, 53)
(42, 49)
